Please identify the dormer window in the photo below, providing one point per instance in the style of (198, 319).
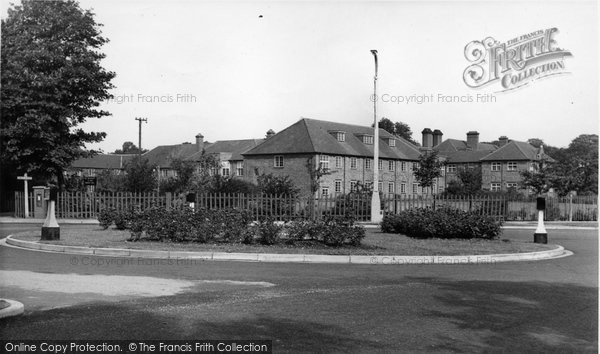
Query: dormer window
(339, 135)
(366, 139)
(392, 142)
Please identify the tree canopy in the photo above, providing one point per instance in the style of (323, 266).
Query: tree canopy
(129, 148)
(52, 81)
(398, 129)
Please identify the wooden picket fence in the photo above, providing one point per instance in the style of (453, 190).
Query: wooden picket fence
(81, 205)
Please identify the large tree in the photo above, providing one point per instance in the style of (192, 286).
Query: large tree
(52, 81)
(429, 169)
(398, 129)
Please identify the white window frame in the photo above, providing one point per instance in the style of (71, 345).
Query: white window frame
(353, 163)
(392, 142)
(341, 136)
(495, 186)
(512, 184)
(496, 167)
(324, 162)
(339, 162)
(402, 188)
(511, 166)
(391, 187)
(415, 166)
(338, 186)
(225, 171)
(352, 186)
(368, 164)
(403, 166)
(278, 161)
(325, 192)
(415, 188)
(391, 165)
(380, 163)
(451, 168)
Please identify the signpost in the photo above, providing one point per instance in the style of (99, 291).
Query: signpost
(25, 178)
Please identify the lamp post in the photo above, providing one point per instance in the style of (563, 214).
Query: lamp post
(375, 202)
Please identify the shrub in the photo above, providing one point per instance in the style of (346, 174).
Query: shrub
(269, 232)
(441, 223)
(106, 217)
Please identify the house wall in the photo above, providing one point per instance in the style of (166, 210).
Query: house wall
(295, 166)
(503, 176)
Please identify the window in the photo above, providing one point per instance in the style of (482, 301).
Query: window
(368, 164)
(240, 170)
(511, 166)
(325, 192)
(496, 166)
(390, 165)
(512, 185)
(279, 161)
(324, 162)
(341, 136)
(415, 188)
(380, 186)
(451, 168)
(403, 188)
(352, 186)
(403, 166)
(225, 172)
(442, 171)
(415, 166)
(380, 164)
(391, 142)
(367, 139)
(353, 163)
(338, 162)
(495, 187)
(338, 186)
(391, 188)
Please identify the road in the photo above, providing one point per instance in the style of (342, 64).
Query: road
(543, 306)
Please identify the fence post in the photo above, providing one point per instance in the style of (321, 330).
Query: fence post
(570, 207)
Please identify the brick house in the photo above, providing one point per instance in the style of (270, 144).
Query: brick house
(345, 150)
(92, 166)
(501, 164)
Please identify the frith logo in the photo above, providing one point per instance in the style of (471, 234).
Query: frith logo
(515, 63)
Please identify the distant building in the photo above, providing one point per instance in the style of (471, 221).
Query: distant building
(92, 166)
(345, 150)
(501, 165)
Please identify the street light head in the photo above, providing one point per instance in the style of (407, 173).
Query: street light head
(374, 51)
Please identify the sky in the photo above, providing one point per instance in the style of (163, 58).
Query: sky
(234, 70)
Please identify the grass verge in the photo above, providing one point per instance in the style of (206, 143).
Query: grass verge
(375, 243)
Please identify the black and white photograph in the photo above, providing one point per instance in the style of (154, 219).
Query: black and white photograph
(299, 176)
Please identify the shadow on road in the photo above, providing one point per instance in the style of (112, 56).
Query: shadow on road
(517, 316)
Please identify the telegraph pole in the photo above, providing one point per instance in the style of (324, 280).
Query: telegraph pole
(140, 119)
(375, 202)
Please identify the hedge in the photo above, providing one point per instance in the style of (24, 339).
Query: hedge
(442, 223)
(230, 226)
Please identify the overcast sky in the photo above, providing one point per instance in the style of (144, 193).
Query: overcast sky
(248, 67)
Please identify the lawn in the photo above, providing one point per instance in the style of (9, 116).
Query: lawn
(375, 243)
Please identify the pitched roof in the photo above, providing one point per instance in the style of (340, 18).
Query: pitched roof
(465, 156)
(163, 155)
(311, 136)
(234, 147)
(103, 161)
(450, 145)
(517, 150)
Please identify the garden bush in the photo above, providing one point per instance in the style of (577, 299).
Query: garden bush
(442, 223)
(106, 217)
(230, 226)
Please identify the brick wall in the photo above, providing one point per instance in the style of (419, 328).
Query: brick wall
(503, 176)
(345, 173)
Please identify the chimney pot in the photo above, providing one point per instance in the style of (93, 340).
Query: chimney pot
(270, 133)
(472, 140)
(427, 138)
(503, 140)
(200, 141)
(437, 137)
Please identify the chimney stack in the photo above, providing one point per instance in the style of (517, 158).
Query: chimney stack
(472, 140)
(200, 141)
(503, 140)
(437, 137)
(270, 133)
(427, 138)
